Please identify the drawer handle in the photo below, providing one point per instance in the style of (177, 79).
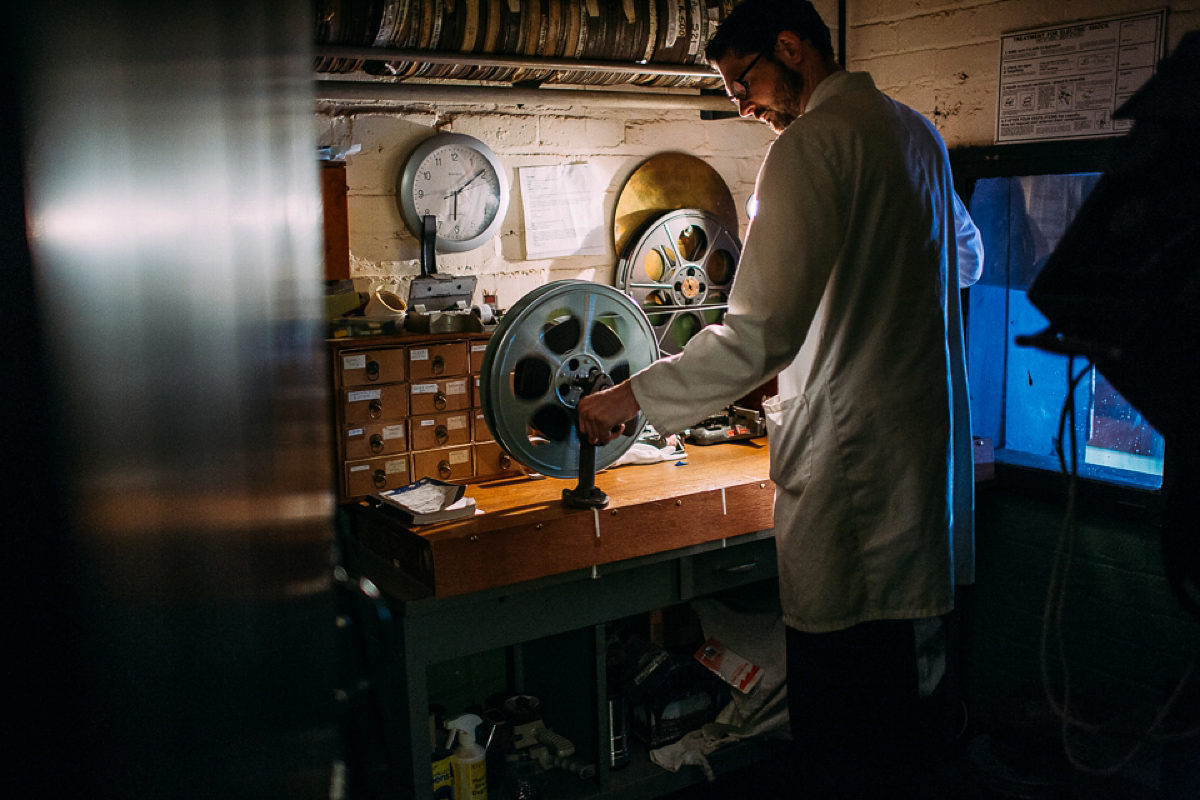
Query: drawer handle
(439, 401)
(372, 370)
(439, 365)
(739, 568)
(441, 434)
(379, 479)
(375, 409)
(444, 470)
(376, 443)
(505, 461)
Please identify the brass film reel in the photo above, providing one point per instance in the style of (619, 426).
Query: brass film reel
(547, 344)
(680, 271)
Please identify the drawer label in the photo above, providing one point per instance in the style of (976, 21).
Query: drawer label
(460, 456)
(428, 423)
(418, 355)
(424, 388)
(393, 432)
(456, 423)
(365, 394)
(456, 387)
(355, 362)
(393, 467)
(478, 348)
(355, 432)
(360, 468)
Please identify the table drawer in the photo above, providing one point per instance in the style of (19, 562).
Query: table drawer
(375, 403)
(376, 475)
(441, 430)
(448, 464)
(437, 360)
(705, 573)
(372, 439)
(434, 397)
(367, 367)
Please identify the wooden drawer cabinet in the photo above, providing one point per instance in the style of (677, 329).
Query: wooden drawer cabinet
(437, 361)
(376, 475)
(479, 428)
(379, 403)
(375, 439)
(491, 460)
(477, 351)
(441, 430)
(404, 410)
(448, 464)
(450, 394)
(368, 367)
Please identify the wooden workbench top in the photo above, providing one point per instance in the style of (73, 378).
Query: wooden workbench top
(525, 532)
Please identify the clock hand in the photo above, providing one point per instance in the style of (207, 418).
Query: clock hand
(470, 180)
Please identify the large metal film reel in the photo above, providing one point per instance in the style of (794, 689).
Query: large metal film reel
(551, 338)
(680, 270)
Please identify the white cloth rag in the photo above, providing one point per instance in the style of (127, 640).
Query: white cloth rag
(759, 636)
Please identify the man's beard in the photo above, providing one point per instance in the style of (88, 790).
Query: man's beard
(789, 87)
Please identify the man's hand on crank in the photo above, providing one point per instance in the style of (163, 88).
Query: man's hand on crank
(602, 415)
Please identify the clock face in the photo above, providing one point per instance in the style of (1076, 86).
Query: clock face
(459, 180)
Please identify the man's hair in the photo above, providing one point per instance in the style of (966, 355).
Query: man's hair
(754, 25)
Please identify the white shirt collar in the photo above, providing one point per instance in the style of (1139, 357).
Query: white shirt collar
(838, 82)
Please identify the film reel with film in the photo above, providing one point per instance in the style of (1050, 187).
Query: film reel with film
(556, 344)
(679, 270)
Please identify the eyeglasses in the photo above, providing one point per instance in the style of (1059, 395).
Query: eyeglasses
(738, 90)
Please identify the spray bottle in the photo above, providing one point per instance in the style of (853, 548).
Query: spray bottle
(443, 762)
(470, 768)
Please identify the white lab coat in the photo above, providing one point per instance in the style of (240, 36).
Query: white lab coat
(842, 291)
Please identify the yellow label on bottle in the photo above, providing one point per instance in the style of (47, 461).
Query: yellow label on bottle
(470, 781)
(443, 779)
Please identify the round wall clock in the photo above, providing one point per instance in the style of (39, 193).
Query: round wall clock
(459, 180)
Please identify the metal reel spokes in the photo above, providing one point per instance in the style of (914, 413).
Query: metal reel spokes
(680, 271)
(549, 340)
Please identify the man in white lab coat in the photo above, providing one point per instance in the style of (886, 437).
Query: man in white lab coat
(845, 291)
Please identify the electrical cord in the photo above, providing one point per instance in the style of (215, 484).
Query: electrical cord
(1056, 596)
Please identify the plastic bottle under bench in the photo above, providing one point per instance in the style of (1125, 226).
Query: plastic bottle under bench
(470, 767)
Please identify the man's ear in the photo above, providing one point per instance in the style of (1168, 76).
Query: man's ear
(790, 49)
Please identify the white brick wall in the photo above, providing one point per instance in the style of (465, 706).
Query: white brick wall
(941, 56)
(938, 56)
(613, 143)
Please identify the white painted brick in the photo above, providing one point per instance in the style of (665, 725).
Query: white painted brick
(512, 286)
(331, 130)
(574, 135)
(978, 62)
(900, 9)
(386, 142)
(500, 132)
(370, 214)
(898, 70)
(1016, 15)
(935, 31)
(656, 137)
(872, 40)
(747, 137)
